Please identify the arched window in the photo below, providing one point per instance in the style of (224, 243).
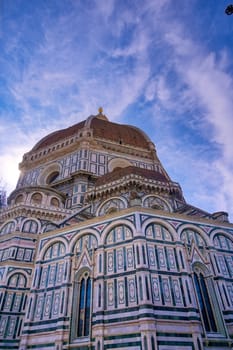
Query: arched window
(54, 202)
(36, 198)
(211, 316)
(52, 177)
(30, 226)
(8, 228)
(55, 250)
(158, 232)
(119, 234)
(19, 199)
(17, 280)
(82, 306)
(222, 242)
(204, 303)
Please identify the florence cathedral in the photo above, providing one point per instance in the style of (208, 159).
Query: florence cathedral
(99, 250)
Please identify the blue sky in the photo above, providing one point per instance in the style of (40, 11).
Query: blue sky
(165, 66)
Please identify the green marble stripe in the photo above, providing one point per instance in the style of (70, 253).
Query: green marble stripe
(147, 315)
(219, 343)
(15, 288)
(48, 289)
(122, 336)
(180, 335)
(230, 320)
(141, 269)
(228, 312)
(84, 347)
(175, 343)
(44, 330)
(41, 346)
(146, 306)
(18, 237)
(42, 322)
(125, 345)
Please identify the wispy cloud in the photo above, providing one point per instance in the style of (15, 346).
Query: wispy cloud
(213, 88)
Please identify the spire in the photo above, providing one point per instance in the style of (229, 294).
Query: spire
(100, 110)
(100, 115)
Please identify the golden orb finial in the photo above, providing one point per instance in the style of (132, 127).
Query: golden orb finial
(100, 110)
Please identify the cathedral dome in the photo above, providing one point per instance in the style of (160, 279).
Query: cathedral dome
(101, 128)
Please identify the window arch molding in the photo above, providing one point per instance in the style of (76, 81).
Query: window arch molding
(163, 223)
(36, 198)
(8, 227)
(32, 221)
(54, 251)
(18, 274)
(50, 244)
(115, 224)
(81, 234)
(20, 198)
(55, 202)
(216, 233)
(199, 267)
(197, 229)
(118, 234)
(48, 172)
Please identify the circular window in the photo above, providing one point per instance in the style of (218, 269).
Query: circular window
(49, 175)
(52, 177)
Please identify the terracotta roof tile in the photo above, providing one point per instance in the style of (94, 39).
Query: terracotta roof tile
(118, 173)
(59, 135)
(123, 134)
(103, 129)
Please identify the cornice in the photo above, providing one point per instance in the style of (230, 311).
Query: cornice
(135, 182)
(38, 211)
